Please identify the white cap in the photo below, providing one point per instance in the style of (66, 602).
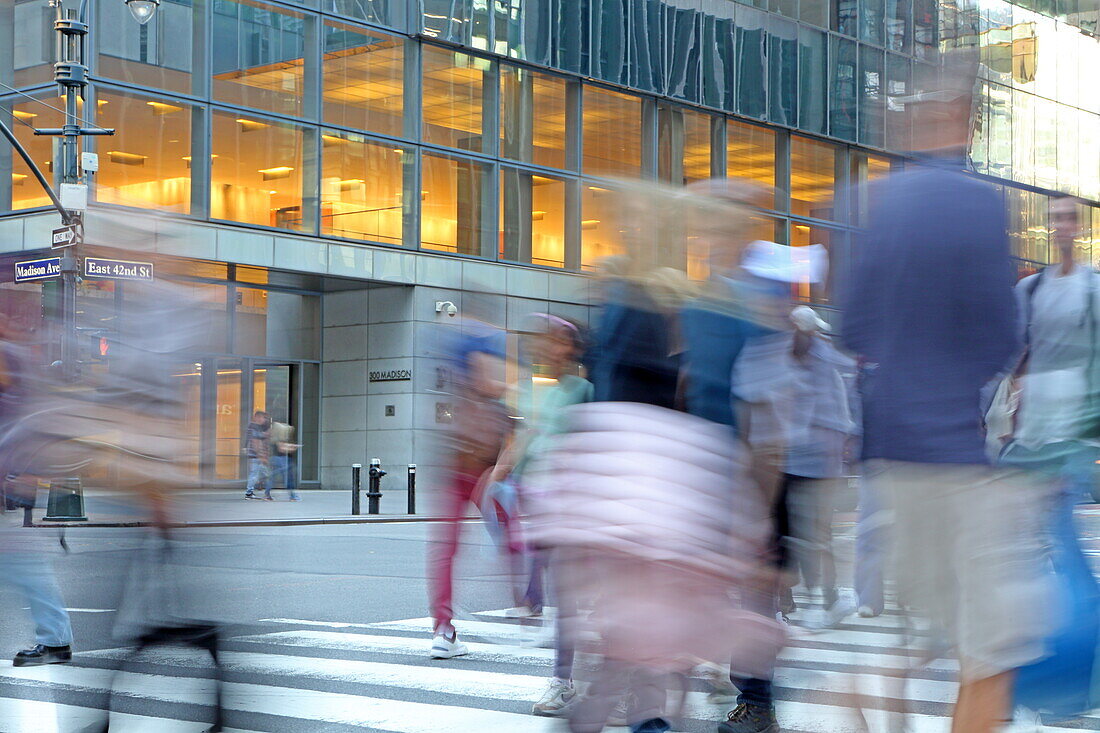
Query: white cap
(805, 319)
(786, 264)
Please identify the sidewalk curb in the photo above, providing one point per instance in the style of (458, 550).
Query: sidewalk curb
(298, 522)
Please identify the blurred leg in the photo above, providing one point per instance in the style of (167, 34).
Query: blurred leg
(871, 537)
(983, 705)
(32, 575)
(456, 496)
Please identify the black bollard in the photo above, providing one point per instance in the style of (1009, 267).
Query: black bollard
(356, 468)
(374, 485)
(412, 488)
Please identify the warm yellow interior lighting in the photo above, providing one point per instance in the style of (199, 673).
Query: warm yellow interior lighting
(333, 140)
(20, 114)
(590, 223)
(598, 189)
(18, 178)
(802, 227)
(161, 108)
(538, 215)
(279, 171)
(117, 156)
(250, 125)
(350, 184)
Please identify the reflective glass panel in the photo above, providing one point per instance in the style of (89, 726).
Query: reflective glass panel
(157, 54)
(454, 102)
(453, 211)
(532, 218)
(258, 56)
(815, 12)
(924, 29)
(533, 117)
(147, 162)
(256, 171)
(871, 111)
(871, 21)
(752, 67)
(362, 187)
(833, 240)
(783, 72)
(750, 153)
(601, 230)
(845, 16)
(813, 79)
(844, 99)
(29, 34)
(696, 159)
(363, 79)
(612, 133)
(813, 177)
(1027, 224)
(899, 25)
(26, 192)
(382, 12)
(896, 121)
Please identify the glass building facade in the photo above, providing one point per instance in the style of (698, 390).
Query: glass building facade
(495, 130)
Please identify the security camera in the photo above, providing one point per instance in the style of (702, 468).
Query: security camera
(446, 306)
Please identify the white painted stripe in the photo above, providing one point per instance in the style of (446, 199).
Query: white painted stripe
(513, 654)
(397, 716)
(307, 622)
(411, 717)
(34, 716)
(82, 610)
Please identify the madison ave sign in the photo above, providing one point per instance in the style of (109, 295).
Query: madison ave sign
(393, 375)
(30, 270)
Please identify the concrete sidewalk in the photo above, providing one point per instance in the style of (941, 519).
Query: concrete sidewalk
(229, 508)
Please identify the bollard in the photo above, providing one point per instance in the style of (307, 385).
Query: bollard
(374, 485)
(412, 488)
(356, 469)
(66, 502)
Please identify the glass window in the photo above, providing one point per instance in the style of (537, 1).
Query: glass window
(1027, 224)
(783, 72)
(601, 230)
(719, 56)
(871, 111)
(815, 12)
(924, 29)
(147, 162)
(258, 56)
(363, 79)
(30, 35)
(533, 117)
(256, 171)
(750, 153)
(898, 25)
(813, 81)
(157, 54)
(813, 177)
(612, 133)
(896, 121)
(870, 21)
(696, 159)
(1046, 143)
(532, 218)
(834, 241)
(844, 17)
(843, 101)
(453, 209)
(683, 145)
(26, 193)
(454, 101)
(752, 68)
(382, 12)
(362, 187)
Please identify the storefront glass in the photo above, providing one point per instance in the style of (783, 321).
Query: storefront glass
(362, 182)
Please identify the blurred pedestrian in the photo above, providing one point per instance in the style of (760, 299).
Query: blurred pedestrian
(258, 448)
(284, 454)
(930, 302)
(479, 431)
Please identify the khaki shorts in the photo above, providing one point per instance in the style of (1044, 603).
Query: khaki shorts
(968, 557)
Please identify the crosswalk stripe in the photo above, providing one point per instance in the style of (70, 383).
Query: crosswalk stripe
(35, 716)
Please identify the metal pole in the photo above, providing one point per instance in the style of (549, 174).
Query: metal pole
(356, 469)
(412, 488)
(374, 492)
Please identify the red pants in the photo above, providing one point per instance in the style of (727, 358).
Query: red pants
(457, 495)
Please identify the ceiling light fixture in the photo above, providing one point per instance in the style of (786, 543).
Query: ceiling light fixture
(279, 171)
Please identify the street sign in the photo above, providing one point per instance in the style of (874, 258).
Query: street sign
(30, 270)
(117, 269)
(66, 236)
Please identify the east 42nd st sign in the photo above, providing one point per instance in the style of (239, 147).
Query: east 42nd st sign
(117, 269)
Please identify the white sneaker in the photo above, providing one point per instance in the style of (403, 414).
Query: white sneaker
(830, 618)
(866, 612)
(444, 648)
(556, 698)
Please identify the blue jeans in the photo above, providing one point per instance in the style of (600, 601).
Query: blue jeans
(872, 536)
(284, 467)
(31, 574)
(259, 474)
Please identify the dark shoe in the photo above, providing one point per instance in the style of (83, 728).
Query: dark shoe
(41, 654)
(786, 602)
(268, 498)
(249, 495)
(829, 597)
(750, 719)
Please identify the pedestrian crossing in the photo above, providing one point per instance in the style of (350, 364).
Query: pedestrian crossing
(322, 675)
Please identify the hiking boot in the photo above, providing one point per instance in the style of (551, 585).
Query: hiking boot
(747, 718)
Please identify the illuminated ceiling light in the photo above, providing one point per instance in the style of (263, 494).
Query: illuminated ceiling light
(802, 227)
(20, 114)
(142, 10)
(161, 108)
(273, 192)
(18, 178)
(117, 156)
(538, 215)
(540, 180)
(279, 171)
(102, 102)
(333, 140)
(250, 125)
(590, 223)
(399, 151)
(350, 184)
(598, 189)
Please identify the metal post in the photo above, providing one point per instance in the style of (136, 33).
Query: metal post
(374, 490)
(356, 469)
(412, 488)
